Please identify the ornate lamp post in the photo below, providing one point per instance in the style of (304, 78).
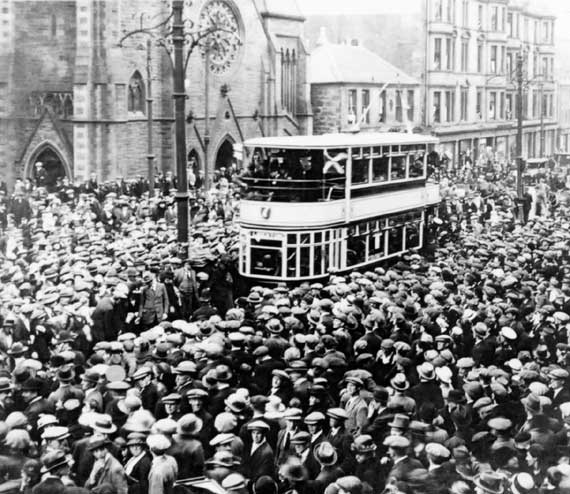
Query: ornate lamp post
(179, 36)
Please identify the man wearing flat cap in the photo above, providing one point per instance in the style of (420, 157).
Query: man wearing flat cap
(259, 460)
(401, 463)
(559, 391)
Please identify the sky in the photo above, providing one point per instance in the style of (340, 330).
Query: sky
(401, 6)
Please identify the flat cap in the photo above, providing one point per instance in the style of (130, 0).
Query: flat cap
(437, 450)
(397, 442)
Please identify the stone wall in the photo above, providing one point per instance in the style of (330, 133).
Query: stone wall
(326, 101)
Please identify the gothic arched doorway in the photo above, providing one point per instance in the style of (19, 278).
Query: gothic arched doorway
(47, 168)
(225, 154)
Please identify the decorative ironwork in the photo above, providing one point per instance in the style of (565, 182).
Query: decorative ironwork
(59, 102)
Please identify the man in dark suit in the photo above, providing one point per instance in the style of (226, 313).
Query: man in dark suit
(154, 304)
(301, 443)
(138, 465)
(558, 384)
(293, 417)
(185, 281)
(223, 389)
(427, 389)
(36, 404)
(340, 438)
(402, 464)
(265, 363)
(54, 466)
(149, 394)
(259, 460)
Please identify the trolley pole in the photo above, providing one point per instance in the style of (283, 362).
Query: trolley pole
(179, 96)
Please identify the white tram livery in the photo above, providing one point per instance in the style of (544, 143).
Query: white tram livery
(315, 205)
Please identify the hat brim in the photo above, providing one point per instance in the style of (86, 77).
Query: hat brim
(59, 464)
(102, 430)
(487, 488)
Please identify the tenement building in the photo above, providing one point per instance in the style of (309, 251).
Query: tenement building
(464, 54)
(74, 90)
(471, 78)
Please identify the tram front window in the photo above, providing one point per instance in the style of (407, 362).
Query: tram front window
(265, 262)
(266, 257)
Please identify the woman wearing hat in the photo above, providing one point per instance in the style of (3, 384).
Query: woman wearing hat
(138, 464)
(187, 449)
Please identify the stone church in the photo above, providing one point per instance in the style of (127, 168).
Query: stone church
(74, 90)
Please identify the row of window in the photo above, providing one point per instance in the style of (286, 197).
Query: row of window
(496, 20)
(445, 11)
(309, 254)
(500, 105)
(388, 163)
(362, 108)
(543, 32)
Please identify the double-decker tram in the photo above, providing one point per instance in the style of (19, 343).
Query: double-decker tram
(313, 205)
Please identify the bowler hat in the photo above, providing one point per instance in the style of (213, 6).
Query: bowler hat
(53, 460)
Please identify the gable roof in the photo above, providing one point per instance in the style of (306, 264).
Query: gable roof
(334, 63)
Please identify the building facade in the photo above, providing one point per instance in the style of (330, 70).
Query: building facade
(471, 85)
(73, 90)
(352, 87)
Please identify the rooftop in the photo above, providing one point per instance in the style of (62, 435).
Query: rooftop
(327, 141)
(352, 63)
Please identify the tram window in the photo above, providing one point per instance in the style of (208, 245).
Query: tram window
(318, 237)
(395, 240)
(265, 262)
(292, 262)
(359, 171)
(326, 235)
(398, 167)
(356, 250)
(318, 253)
(305, 238)
(292, 238)
(413, 235)
(380, 169)
(416, 167)
(375, 246)
(305, 261)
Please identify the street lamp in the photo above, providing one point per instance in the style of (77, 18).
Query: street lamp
(179, 37)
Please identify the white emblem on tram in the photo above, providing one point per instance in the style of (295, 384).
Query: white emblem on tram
(265, 212)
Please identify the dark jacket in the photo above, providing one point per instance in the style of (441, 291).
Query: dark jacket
(261, 462)
(189, 455)
(137, 480)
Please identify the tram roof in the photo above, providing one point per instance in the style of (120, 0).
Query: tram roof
(340, 140)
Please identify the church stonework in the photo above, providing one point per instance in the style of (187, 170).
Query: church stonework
(66, 84)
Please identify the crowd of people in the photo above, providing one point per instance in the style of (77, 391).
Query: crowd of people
(128, 368)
